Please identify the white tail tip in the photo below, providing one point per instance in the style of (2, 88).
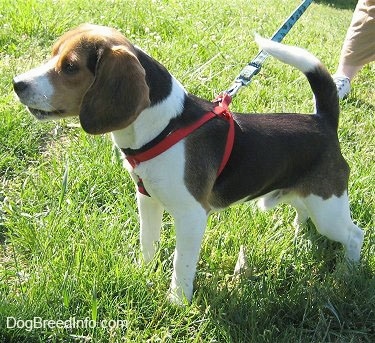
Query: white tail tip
(295, 56)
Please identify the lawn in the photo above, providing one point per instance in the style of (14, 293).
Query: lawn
(68, 221)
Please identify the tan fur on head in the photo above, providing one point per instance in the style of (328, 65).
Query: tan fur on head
(118, 94)
(94, 73)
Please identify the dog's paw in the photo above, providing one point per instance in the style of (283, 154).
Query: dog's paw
(242, 267)
(177, 297)
(354, 243)
(301, 218)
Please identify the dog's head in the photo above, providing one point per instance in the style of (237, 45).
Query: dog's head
(93, 73)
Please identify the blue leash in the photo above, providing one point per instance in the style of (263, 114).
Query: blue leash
(253, 68)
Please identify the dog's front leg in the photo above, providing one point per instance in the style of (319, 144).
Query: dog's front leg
(151, 213)
(190, 227)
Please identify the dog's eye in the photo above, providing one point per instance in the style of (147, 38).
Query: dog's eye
(69, 68)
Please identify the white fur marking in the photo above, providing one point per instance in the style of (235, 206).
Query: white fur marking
(40, 89)
(269, 200)
(332, 219)
(297, 57)
(152, 120)
(190, 227)
(163, 177)
(150, 213)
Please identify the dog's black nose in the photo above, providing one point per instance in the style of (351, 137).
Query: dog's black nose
(19, 86)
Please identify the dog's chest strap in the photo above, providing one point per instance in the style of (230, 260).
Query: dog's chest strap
(221, 111)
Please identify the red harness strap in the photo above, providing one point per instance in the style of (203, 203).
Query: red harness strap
(224, 101)
(221, 110)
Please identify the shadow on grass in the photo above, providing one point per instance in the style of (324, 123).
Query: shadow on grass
(320, 304)
(359, 103)
(342, 4)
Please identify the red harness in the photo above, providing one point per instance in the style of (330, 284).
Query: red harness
(221, 110)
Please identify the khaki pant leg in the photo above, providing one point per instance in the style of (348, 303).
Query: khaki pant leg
(359, 45)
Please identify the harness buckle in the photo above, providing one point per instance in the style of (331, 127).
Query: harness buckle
(223, 100)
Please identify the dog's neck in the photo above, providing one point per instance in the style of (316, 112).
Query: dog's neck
(167, 97)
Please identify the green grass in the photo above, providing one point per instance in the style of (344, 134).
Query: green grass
(68, 221)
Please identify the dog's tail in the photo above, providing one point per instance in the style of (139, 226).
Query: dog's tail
(322, 85)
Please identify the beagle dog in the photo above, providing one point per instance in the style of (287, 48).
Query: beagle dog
(115, 87)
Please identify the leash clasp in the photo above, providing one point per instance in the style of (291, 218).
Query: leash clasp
(246, 75)
(233, 90)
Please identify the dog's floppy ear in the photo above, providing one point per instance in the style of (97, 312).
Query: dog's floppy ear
(118, 94)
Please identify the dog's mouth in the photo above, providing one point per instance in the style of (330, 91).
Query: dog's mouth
(45, 115)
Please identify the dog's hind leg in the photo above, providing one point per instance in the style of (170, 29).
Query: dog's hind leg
(273, 198)
(301, 216)
(332, 219)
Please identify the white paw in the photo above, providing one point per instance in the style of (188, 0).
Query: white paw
(242, 266)
(354, 245)
(177, 296)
